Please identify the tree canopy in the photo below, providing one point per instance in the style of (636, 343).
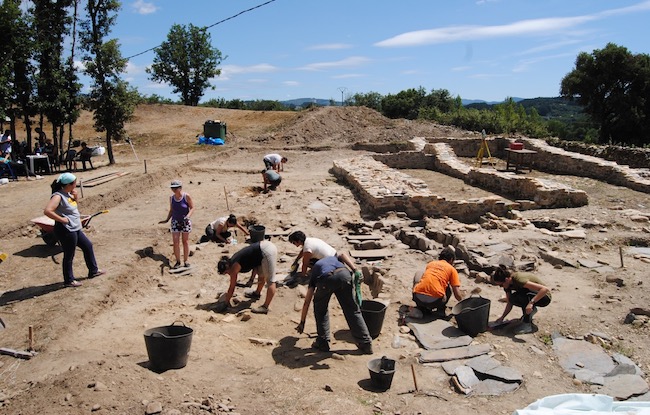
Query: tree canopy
(186, 61)
(613, 85)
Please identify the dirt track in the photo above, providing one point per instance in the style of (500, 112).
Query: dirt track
(89, 340)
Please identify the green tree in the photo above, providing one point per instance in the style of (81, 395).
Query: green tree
(371, 100)
(111, 99)
(186, 61)
(613, 86)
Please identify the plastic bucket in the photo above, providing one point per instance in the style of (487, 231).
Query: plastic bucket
(168, 346)
(381, 371)
(373, 313)
(257, 233)
(472, 315)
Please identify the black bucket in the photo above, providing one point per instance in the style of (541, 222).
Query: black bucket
(168, 346)
(381, 372)
(472, 315)
(257, 233)
(373, 313)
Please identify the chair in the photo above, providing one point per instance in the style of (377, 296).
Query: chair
(68, 158)
(84, 157)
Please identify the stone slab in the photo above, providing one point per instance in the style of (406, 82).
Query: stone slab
(466, 377)
(623, 387)
(491, 387)
(574, 355)
(364, 237)
(494, 369)
(439, 334)
(587, 263)
(450, 366)
(465, 352)
(371, 253)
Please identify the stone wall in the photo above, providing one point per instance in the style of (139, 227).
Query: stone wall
(633, 157)
(383, 189)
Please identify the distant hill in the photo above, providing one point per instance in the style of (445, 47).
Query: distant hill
(299, 102)
(555, 108)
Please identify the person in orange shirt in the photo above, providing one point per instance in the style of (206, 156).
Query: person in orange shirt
(433, 288)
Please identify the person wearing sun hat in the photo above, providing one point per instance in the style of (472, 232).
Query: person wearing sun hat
(181, 208)
(62, 208)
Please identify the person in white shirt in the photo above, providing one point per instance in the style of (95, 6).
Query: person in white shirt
(314, 249)
(218, 230)
(275, 162)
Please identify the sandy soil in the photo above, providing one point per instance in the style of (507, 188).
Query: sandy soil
(91, 351)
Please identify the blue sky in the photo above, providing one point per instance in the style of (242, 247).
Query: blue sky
(478, 49)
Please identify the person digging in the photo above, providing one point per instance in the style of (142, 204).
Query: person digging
(523, 290)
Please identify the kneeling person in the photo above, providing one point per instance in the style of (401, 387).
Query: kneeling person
(433, 288)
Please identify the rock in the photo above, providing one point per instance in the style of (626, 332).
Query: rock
(615, 279)
(95, 407)
(153, 408)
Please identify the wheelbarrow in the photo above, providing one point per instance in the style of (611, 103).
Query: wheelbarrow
(47, 226)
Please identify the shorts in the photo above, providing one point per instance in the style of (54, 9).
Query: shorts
(269, 258)
(268, 164)
(184, 225)
(275, 183)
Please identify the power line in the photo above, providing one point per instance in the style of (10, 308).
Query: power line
(212, 25)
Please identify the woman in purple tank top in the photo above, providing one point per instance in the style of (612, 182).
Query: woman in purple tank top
(180, 210)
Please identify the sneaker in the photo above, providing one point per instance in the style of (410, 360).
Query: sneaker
(97, 273)
(365, 348)
(187, 265)
(177, 265)
(260, 310)
(525, 328)
(320, 344)
(39, 177)
(528, 318)
(252, 294)
(73, 283)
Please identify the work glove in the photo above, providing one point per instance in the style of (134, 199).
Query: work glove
(300, 328)
(356, 280)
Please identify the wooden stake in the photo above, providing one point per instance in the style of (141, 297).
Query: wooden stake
(31, 338)
(415, 380)
(81, 186)
(226, 194)
(620, 253)
(145, 167)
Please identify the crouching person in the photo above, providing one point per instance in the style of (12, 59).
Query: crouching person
(329, 276)
(523, 290)
(259, 258)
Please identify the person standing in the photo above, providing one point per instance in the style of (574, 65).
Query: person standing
(181, 208)
(5, 144)
(330, 277)
(62, 208)
(274, 161)
(217, 230)
(260, 259)
(523, 290)
(433, 288)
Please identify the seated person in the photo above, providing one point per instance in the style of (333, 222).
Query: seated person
(271, 178)
(433, 288)
(217, 231)
(84, 156)
(18, 167)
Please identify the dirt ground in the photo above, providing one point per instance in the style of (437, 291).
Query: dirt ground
(91, 351)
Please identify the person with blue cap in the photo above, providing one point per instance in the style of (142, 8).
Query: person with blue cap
(62, 208)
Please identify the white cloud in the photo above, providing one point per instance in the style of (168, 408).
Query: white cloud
(521, 28)
(143, 7)
(549, 46)
(523, 65)
(132, 69)
(330, 46)
(228, 71)
(461, 68)
(291, 83)
(350, 62)
(348, 76)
